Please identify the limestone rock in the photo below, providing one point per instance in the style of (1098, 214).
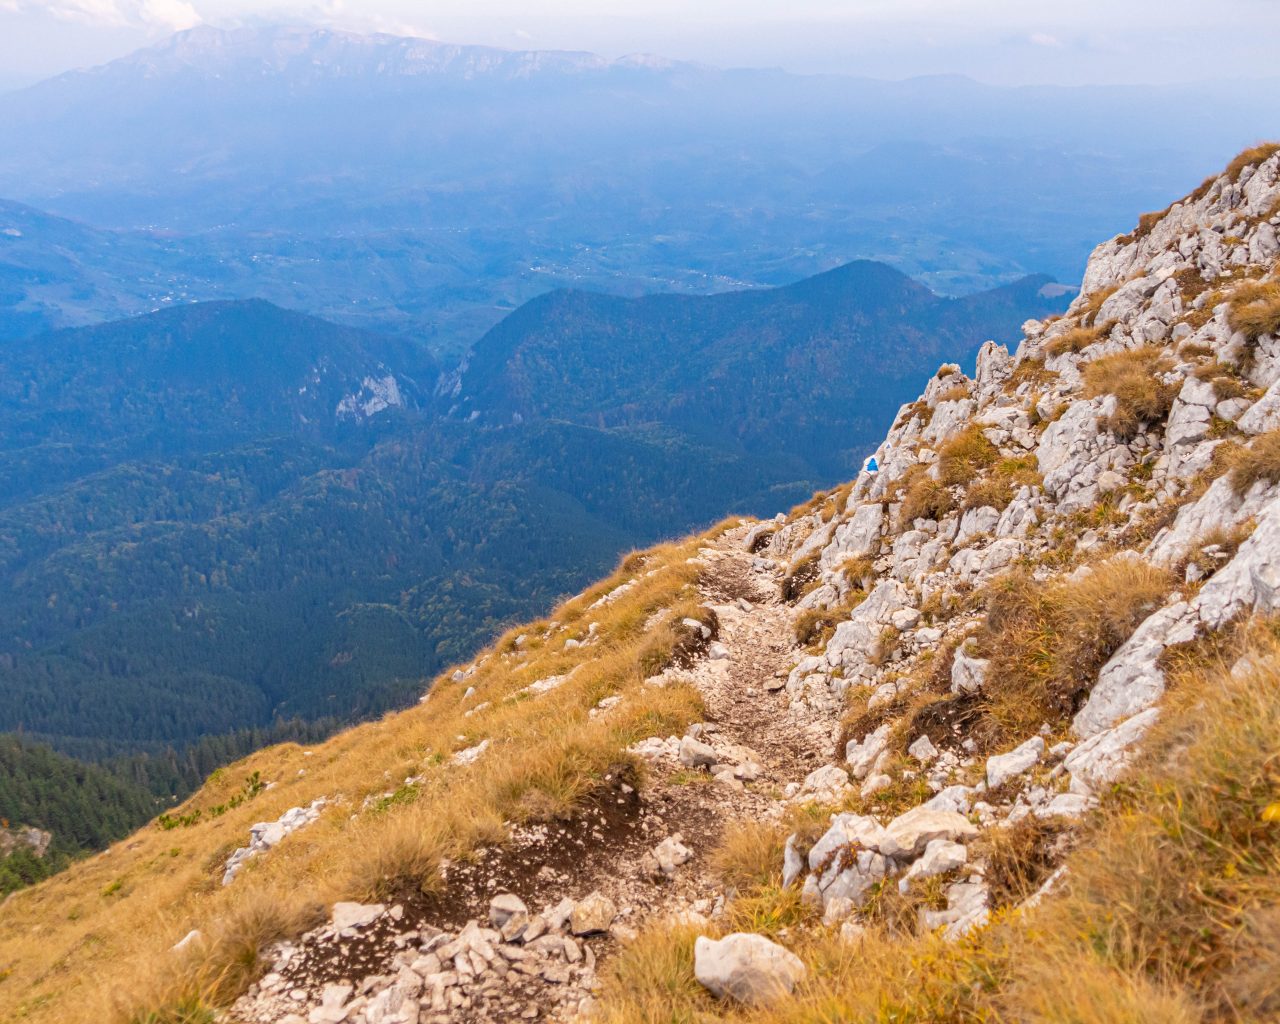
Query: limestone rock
(827, 784)
(914, 830)
(694, 753)
(671, 853)
(505, 906)
(347, 916)
(1100, 759)
(968, 674)
(594, 914)
(861, 755)
(746, 967)
(939, 857)
(1022, 758)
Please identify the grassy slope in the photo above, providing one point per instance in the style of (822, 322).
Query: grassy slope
(116, 915)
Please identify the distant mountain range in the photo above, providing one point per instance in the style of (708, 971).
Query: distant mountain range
(224, 514)
(427, 190)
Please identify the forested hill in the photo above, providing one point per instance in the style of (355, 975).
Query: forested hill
(190, 378)
(225, 515)
(813, 370)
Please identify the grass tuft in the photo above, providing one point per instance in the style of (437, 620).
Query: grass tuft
(1047, 640)
(1254, 309)
(1133, 378)
(1259, 461)
(965, 456)
(925, 498)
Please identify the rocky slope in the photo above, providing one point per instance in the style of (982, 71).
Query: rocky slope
(791, 761)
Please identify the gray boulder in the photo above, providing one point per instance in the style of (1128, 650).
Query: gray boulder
(746, 967)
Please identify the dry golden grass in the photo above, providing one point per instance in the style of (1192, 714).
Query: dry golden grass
(1255, 309)
(924, 498)
(997, 488)
(1046, 641)
(858, 571)
(1248, 158)
(1167, 913)
(1075, 340)
(955, 393)
(750, 854)
(1259, 461)
(1031, 372)
(1226, 382)
(1093, 303)
(966, 455)
(1019, 858)
(815, 625)
(1132, 376)
(802, 577)
(92, 944)
(1251, 157)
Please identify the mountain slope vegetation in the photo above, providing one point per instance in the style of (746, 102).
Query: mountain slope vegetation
(786, 370)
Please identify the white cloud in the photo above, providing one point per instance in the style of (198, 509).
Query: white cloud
(168, 15)
(1044, 39)
(174, 14)
(334, 14)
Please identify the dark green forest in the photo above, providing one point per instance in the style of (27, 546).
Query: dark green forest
(88, 805)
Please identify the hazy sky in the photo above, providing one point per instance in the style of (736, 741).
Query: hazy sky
(1005, 41)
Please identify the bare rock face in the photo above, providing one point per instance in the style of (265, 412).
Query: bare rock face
(746, 967)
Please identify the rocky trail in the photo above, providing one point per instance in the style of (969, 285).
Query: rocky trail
(518, 932)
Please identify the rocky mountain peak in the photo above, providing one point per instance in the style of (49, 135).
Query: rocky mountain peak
(307, 53)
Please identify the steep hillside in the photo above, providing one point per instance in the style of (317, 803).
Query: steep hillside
(812, 370)
(986, 734)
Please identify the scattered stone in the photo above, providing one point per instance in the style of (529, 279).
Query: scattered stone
(1021, 759)
(940, 856)
(915, 829)
(352, 916)
(505, 906)
(746, 967)
(594, 914)
(671, 853)
(862, 755)
(696, 754)
(968, 675)
(266, 834)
